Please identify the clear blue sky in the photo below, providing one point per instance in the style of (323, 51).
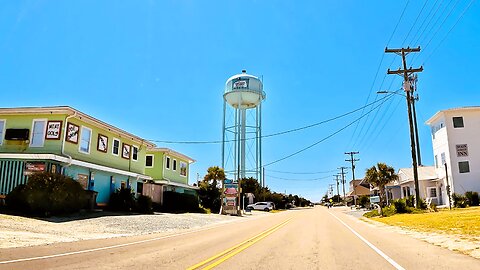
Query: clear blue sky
(158, 68)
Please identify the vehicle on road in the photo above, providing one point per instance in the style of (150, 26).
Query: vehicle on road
(265, 206)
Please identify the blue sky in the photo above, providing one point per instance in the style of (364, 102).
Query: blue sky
(158, 68)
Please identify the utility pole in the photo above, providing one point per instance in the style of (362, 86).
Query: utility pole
(413, 84)
(343, 182)
(408, 90)
(353, 160)
(338, 190)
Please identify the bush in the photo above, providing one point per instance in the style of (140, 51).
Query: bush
(423, 204)
(144, 205)
(370, 214)
(400, 205)
(433, 207)
(472, 198)
(459, 201)
(410, 201)
(47, 194)
(174, 202)
(123, 199)
(388, 211)
(364, 201)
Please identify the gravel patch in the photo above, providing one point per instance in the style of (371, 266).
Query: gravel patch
(18, 231)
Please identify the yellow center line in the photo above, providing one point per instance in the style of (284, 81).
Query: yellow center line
(245, 244)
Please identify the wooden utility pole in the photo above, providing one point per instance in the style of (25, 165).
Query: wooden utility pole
(353, 160)
(343, 182)
(338, 190)
(408, 91)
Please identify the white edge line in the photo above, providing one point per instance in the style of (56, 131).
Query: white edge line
(385, 256)
(115, 246)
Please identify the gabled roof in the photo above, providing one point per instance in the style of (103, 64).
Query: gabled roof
(78, 114)
(440, 113)
(424, 173)
(171, 152)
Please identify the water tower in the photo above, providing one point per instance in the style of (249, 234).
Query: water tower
(242, 127)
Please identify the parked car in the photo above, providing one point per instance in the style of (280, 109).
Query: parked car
(265, 206)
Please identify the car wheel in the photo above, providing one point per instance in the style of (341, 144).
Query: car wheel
(250, 208)
(267, 209)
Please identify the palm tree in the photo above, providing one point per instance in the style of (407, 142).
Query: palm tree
(379, 177)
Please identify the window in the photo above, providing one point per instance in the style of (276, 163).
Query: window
(174, 164)
(436, 161)
(85, 136)
(432, 193)
(134, 153)
(139, 187)
(115, 147)
(462, 150)
(442, 157)
(167, 163)
(458, 122)
(463, 167)
(183, 168)
(2, 131)
(149, 161)
(38, 133)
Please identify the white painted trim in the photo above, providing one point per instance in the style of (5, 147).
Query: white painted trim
(89, 140)
(43, 133)
(138, 150)
(153, 160)
(2, 138)
(170, 183)
(119, 146)
(74, 162)
(428, 192)
(168, 168)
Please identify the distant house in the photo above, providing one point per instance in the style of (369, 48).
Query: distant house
(64, 140)
(358, 187)
(430, 186)
(169, 171)
(456, 149)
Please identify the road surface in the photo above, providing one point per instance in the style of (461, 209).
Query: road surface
(315, 238)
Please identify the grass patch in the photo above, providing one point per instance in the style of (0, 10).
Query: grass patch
(464, 221)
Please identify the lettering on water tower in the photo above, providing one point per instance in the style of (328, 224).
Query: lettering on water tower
(240, 84)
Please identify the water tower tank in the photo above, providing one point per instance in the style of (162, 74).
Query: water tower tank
(244, 91)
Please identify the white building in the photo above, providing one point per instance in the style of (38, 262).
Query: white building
(429, 185)
(456, 143)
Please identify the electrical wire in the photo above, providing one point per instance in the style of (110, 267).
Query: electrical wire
(301, 172)
(274, 134)
(289, 179)
(329, 136)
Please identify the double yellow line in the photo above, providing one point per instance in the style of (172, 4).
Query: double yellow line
(227, 254)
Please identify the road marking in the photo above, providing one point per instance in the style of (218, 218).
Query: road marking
(385, 256)
(228, 253)
(113, 246)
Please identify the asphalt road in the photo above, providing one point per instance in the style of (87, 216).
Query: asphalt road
(316, 238)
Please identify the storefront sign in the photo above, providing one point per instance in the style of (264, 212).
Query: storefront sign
(34, 167)
(53, 130)
(231, 189)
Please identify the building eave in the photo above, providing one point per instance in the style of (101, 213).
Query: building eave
(172, 153)
(171, 183)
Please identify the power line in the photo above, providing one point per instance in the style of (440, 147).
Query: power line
(290, 179)
(274, 134)
(301, 172)
(455, 24)
(416, 19)
(329, 136)
(398, 22)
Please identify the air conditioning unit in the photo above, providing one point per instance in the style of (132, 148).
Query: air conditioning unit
(17, 134)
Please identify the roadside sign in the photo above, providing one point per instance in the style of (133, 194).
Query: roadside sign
(228, 181)
(374, 199)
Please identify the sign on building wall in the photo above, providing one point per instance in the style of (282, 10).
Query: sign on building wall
(183, 168)
(462, 150)
(72, 133)
(34, 167)
(54, 129)
(83, 180)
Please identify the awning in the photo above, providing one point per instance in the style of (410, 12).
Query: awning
(74, 162)
(175, 184)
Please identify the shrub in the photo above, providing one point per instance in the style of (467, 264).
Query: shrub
(400, 205)
(144, 205)
(472, 198)
(433, 207)
(123, 199)
(364, 201)
(47, 194)
(459, 201)
(388, 211)
(370, 214)
(180, 202)
(423, 204)
(410, 201)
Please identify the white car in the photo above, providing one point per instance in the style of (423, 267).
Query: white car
(265, 206)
